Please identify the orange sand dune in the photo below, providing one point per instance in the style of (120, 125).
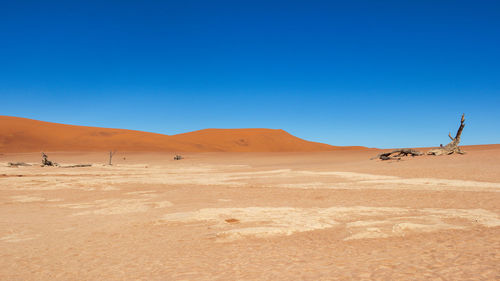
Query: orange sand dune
(27, 135)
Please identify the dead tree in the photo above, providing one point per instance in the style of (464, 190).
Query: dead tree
(46, 161)
(111, 153)
(18, 164)
(77, 166)
(452, 147)
(397, 154)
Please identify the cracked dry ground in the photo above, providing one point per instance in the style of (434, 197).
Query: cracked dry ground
(251, 216)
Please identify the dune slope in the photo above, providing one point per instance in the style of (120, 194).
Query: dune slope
(27, 135)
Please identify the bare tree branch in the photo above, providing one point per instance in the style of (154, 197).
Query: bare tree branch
(111, 153)
(452, 147)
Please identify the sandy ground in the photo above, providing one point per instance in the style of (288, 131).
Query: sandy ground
(251, 216)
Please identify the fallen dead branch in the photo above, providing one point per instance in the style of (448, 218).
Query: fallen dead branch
(77, 166)
(18, 164)
(397, 154)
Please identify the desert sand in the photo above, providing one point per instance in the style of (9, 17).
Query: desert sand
(27, 135)
(332, 215)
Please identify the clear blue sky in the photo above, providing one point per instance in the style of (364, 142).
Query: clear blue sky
(372, 73)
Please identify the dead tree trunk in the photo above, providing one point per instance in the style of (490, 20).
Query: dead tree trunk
(46, 161)
(452, 147)
(17, 164)
(111, 153)
(397, 154)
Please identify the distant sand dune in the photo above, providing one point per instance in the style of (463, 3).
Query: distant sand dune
(26, 135)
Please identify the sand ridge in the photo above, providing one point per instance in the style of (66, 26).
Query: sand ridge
(27, 135)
